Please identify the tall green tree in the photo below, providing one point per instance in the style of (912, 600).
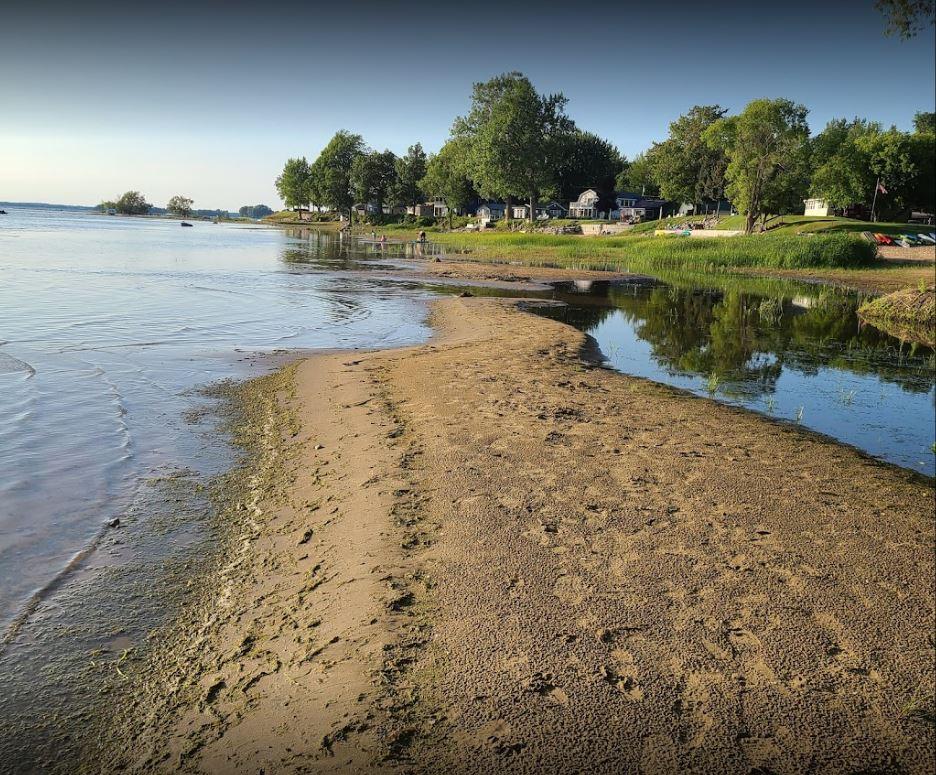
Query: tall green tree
(584, 160)
(686, 168)
(637, 176)
(767, 150)
(923, 153)
(841, 168)
(331, 172)
(292, 184)
(132, 203)
(373, 177)
(180, 205)
(924, 123)
(890, 156)
(447, 176)
(849, 159)
(410, 169)
(513, 135)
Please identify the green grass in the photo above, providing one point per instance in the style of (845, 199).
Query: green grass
(792, 224)
(289, 217)
(643, 253)
(908, 314)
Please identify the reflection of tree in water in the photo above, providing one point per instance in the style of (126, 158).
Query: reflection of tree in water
(706, 332)
(831, 334)
(748, 338)
(310, 246)
(332, 250)
(580, 315)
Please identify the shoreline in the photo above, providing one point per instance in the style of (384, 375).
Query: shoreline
(485, 552)
(898, 268)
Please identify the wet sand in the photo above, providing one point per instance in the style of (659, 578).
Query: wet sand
(515, 274)
(487, 554)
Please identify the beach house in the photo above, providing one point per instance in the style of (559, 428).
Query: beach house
(587, 205)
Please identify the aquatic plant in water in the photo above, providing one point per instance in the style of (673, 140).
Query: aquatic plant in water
(711, 384)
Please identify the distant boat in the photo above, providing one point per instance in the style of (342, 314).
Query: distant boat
(111, 211)
(3, 212)
(185, 224)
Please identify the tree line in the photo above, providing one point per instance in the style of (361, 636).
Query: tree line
(134, 203)
(765, 161)
(254, 211)
(515, 144)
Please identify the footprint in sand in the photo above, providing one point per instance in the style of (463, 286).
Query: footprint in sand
(622, 674)
(542, 684)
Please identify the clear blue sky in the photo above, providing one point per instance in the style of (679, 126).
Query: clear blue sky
(208, 99)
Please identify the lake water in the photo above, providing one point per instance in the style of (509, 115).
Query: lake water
(106, 325)
(792, 351)
(109, 327)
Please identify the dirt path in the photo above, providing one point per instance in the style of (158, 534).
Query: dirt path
(487, 555)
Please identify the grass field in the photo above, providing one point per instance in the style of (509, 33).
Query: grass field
(795, 224)
(644, 253)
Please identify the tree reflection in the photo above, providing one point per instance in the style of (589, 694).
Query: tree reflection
(746, 339)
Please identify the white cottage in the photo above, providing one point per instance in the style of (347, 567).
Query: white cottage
(586, 206)
(817, 207)
(490, 211)
(544, 210)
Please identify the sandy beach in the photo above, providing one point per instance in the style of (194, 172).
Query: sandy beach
(489, 554)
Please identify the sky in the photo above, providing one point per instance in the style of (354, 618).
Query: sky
(209, 99)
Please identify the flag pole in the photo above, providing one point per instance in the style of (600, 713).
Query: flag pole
(877, 185)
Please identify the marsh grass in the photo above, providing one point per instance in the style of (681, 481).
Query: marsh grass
(637, 253)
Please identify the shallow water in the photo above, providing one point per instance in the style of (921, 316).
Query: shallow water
(792, 351)
(108, 327)
(108, 323)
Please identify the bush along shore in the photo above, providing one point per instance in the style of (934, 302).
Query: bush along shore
(909, 314)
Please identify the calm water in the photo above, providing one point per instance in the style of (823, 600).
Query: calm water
(107, 328)
(792, 351)
(106, 324)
